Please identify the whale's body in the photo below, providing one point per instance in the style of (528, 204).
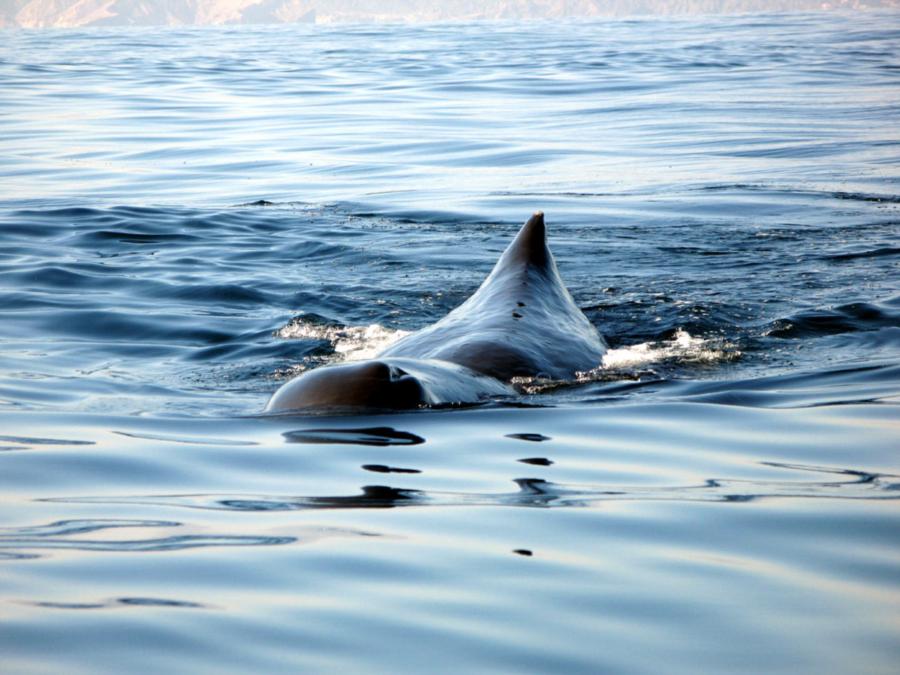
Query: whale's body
(520, 322)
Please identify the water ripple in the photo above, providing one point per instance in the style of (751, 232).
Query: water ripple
(66, 535)
(537, 492)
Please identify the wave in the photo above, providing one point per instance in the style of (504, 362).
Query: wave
(881, 252)
(19, 543)
(850, 318)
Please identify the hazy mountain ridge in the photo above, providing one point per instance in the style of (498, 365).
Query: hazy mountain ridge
(73, 13)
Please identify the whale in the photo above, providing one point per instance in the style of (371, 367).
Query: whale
(521, 322)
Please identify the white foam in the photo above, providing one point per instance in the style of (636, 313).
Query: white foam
(683, 348)
(350, 343)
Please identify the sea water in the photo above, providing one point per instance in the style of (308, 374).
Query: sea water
(188, 217)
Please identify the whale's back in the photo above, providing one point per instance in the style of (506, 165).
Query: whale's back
(521, 321)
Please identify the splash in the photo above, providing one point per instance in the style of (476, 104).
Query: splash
(349, 343)
(635, 361)
(682, 348)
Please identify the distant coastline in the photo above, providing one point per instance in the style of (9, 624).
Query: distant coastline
(85, 13)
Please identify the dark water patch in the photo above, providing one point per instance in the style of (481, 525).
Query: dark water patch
(76, 527)
(122, 602)
(54, 213)
(536, 438)
(862, 197)
(258, 202)
(11, 555)
(881, 252)
(158, 602)
(376, 436)
(218, 294)
(70, 605)
(371, 497)
(383, 468)
(124, 237)
(65, 535)
(537, 461)
(13, 230)
(31, 440)
(849, 318)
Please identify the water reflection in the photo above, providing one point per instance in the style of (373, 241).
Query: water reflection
(383, 468)
(371, 497)
(66, 534)
(531, 492)
(122, 602)
(537, 438)
(24, 442)
(537, 461)
(377, 436)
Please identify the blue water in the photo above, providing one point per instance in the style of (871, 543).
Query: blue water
(190, 216)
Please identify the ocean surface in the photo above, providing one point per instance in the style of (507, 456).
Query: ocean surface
(188, 217)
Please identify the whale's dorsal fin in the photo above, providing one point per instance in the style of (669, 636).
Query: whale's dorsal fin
(529, 248)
